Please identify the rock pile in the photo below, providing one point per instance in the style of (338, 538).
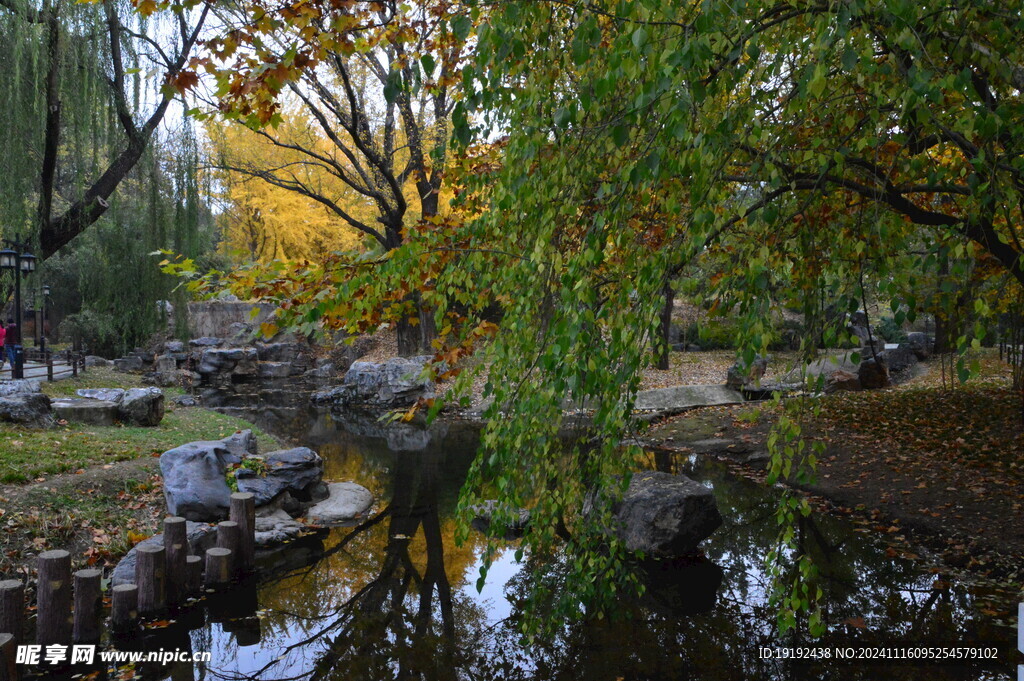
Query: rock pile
(394, 383)
(197, 474)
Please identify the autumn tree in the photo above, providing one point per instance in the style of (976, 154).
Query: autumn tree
(378, 87)
(800, 142)
(263, 221)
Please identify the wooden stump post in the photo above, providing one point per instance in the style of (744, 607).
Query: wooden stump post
(74, 363)
(8, 648)
(229, 537)
(176, 548)
(193, 575)
(218, 567)
(49, 366)
(243, 512)
(124, 608)
(53, 600)
(150, 577)
(87, 601)
(12, 608)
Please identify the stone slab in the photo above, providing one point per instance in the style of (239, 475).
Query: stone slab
(683, 397)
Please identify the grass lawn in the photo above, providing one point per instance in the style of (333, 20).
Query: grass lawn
(26, 454)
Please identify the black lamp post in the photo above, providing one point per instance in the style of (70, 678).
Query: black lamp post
(21, 264)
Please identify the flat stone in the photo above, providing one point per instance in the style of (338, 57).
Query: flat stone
(86, 410)
(346, 501)
(114, 395)
(684, 397)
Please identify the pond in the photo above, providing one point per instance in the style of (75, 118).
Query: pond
(393, 597)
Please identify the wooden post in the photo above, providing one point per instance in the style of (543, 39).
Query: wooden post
(49, 366)
(53, 600)
(74, 363)
(243, 512)
(193, 575)
(150, 577)
(229, 537)
(8, 647)
(87, 601)
(124, 608)
(176, 548)
(12, 608)
(218, 567)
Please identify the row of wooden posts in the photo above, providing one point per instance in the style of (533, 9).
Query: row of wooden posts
(68, 606)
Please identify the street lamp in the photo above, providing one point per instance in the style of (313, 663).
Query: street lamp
(21, 264)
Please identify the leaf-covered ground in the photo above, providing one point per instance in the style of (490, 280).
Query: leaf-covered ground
(944, 464)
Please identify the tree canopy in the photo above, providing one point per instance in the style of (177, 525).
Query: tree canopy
(605, 146)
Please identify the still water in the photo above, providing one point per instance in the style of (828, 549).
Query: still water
(393, 598)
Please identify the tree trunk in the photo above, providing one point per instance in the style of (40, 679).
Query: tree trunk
(664, 347)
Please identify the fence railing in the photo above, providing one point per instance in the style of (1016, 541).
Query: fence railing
(69, 606)
(51, 366)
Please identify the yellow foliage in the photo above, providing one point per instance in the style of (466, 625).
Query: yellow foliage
(263, 221)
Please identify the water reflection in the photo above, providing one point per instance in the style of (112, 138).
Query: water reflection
(392, 597)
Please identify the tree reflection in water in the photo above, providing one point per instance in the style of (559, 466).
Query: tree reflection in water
(393, 597)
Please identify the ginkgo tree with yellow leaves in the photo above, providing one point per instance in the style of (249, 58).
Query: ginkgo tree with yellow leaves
(261, 220)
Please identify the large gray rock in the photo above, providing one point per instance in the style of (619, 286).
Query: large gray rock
(174, 347)
(129, 364)
(31, 409)
(240, 444)
(273, 369)
(345, 501)
(276, 529)
(227, 360)
(280, 352)
(86, 410)
(900, 358)
(297, 471)
(96, 361)
(739, 376)
(142, 407)
(205, 342)
(195, 487)
(921, 344)
(665, 515)
(873, 374)
(114, 395)
(201, 536)
(393, 383)
(19, 386)
(840, 381)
